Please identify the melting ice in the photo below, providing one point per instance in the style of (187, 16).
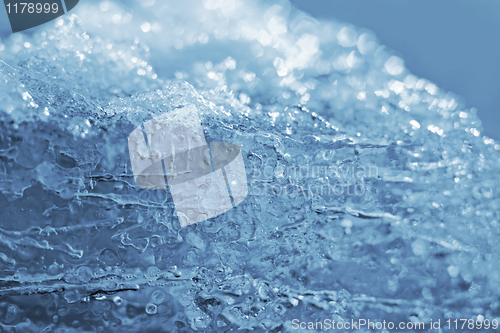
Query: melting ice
(372, 193)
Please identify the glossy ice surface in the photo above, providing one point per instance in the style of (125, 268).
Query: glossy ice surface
(372, 193)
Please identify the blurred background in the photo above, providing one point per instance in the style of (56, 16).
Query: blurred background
(453, 43)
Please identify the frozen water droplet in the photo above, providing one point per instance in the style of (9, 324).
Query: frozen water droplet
(453, 271)
(394, 65)
(418, 247)
(347, 37)
(158, 296)
(110, 257)
(151, 309)
(118, 300)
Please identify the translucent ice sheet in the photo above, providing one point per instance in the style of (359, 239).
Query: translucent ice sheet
(372, 193)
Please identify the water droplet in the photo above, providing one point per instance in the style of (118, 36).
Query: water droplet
(158, 296)
(151, 309)
(118, 300)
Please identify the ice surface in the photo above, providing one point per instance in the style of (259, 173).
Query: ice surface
(372, 193)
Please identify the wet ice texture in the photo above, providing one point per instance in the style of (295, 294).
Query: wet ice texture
(83, 248)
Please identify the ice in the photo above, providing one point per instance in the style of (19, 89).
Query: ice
(372, 193)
